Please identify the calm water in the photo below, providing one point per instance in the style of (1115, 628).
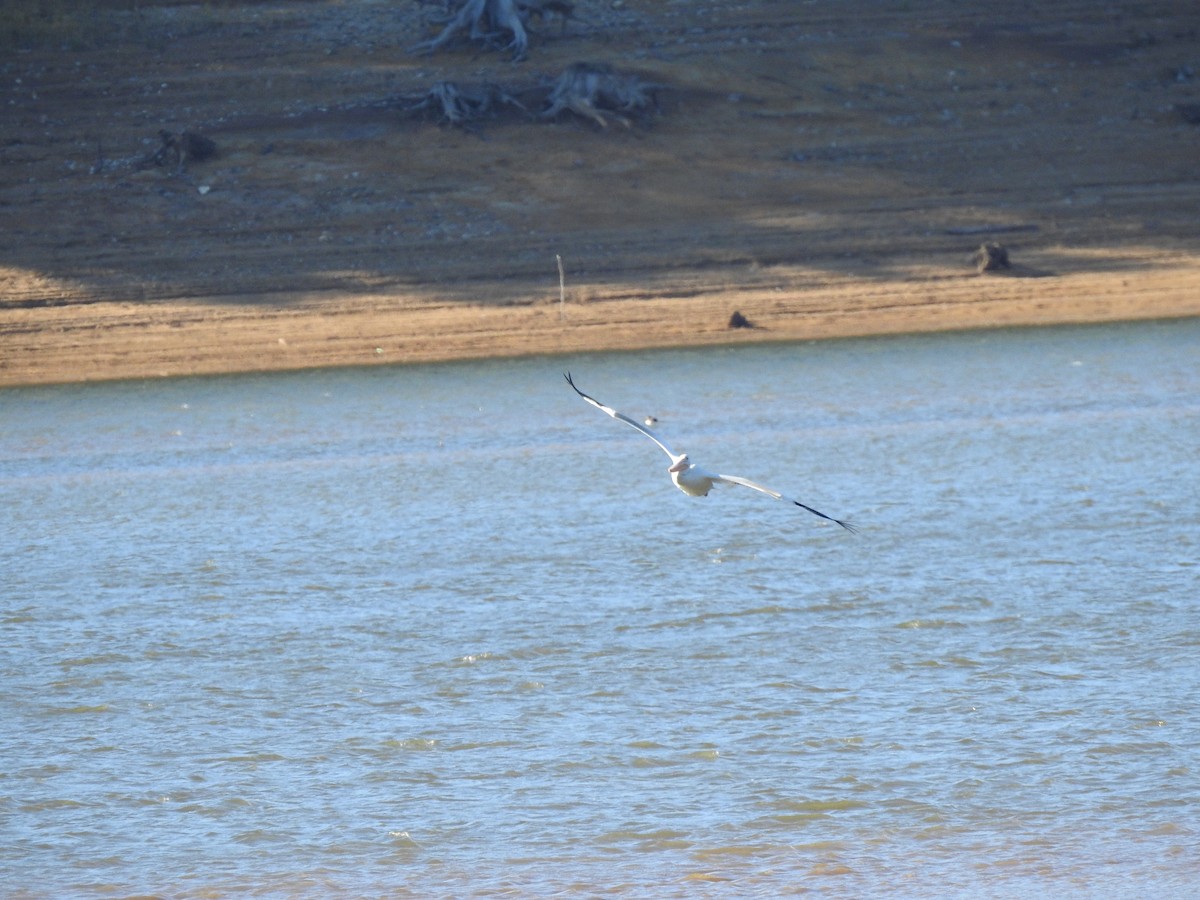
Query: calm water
(449, 631)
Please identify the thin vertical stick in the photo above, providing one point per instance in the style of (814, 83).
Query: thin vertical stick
(562, 291)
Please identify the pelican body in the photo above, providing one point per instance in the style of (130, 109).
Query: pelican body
(689, 477)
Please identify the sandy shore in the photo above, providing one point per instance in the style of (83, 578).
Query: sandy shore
(826, 171)
(107, 340)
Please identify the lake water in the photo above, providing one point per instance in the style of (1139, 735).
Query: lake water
(448, 631)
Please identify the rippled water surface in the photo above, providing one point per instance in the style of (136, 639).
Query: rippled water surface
(449, 631)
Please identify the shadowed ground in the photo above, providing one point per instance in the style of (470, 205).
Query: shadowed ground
(825, 169)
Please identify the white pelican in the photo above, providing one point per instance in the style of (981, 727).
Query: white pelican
(689, 477)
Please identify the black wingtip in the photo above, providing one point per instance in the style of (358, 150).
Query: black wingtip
(853, 529)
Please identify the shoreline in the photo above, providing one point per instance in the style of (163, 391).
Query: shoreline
(106, 340)
(827, 172)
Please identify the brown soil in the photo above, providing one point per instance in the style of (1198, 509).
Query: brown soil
(825, 169)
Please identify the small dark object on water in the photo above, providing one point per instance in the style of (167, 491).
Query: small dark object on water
(990, 257)
(183, 148)
(737, 320)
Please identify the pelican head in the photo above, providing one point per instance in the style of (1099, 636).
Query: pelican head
(679, 463)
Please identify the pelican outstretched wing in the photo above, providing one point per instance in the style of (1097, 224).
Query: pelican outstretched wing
(622, 417)
(762, 489)
(700, 474)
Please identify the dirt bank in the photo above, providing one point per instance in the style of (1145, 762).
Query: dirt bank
(825, 169)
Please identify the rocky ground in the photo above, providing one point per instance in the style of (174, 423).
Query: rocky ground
(823, 167)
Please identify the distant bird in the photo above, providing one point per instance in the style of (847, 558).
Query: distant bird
(650, 420)
(690, 478)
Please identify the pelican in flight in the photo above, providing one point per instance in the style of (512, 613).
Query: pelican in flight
(689, 477)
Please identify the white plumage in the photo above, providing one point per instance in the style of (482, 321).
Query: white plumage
(689, 477)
